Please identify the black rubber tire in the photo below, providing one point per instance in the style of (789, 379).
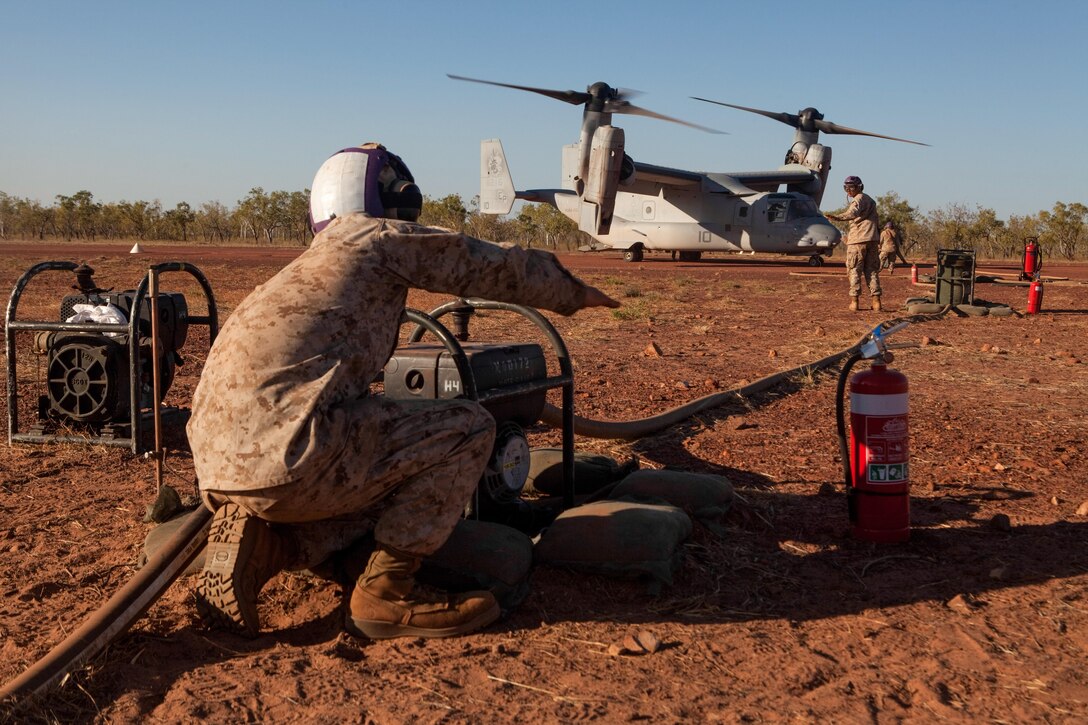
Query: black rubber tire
(632, 255)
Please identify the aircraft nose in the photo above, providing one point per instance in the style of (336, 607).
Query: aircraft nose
(821, 233)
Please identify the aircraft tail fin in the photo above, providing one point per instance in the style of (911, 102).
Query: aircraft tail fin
(496, 185)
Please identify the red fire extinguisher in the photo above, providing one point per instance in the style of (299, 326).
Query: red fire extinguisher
(914, 274)
(1035, 296)
(1031, 262)
(877, 463)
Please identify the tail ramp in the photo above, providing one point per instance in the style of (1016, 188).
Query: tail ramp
(496, 185)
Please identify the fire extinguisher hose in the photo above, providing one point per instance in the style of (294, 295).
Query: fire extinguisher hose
(840, 419)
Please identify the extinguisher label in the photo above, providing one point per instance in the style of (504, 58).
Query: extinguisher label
(887, 473)
(887, 446)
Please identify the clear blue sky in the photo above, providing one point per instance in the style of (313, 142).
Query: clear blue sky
(200, 101)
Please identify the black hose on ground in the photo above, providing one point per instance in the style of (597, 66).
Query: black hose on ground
(635, 429)
(116, 615)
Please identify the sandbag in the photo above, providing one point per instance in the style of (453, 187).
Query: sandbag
(924, 308)
(478, 555)
(591, 471)
(626, 539)
(703, 495)
(481, 554)
(972, 310)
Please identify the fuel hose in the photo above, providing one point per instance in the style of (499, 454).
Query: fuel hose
(642, 427)
(117, 614)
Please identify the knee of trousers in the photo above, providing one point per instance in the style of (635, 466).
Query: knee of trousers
(480, 424)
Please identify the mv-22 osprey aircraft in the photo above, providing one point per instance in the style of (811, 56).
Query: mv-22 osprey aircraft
(634, 206)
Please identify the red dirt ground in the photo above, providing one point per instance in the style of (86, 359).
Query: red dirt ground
(982, 616)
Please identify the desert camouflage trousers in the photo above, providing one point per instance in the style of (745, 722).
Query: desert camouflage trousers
(863, 262)
(410, 484)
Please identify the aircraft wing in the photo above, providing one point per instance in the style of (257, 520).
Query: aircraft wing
(666, 176)
(770, 180)
(745, 183)
(678, 178)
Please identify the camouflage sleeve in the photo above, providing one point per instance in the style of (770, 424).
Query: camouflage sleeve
(439, 260)
(853, 211)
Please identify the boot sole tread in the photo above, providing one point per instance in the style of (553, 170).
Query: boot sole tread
(216, 596)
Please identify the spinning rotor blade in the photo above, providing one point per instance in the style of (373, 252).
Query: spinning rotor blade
(637, 111)
(787, 118)
(809, 119)
(598, 97)
(828, 127)
(576, 98)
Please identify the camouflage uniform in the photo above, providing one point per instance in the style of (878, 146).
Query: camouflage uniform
(862, 255)
(889, 248)
(283, 423)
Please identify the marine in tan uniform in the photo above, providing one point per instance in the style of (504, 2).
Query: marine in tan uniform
(862, 254)
(284, 429)
(889, 248)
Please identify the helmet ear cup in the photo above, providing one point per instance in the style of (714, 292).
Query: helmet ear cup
(402, 200)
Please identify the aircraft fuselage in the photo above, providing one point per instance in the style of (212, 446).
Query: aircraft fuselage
(694, 221)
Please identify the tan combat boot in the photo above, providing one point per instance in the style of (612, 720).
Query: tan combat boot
(854, 303)
(876, 304)
(243, 554)
(387, 603)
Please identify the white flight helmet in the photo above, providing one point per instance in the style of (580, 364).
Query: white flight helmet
(367, 179)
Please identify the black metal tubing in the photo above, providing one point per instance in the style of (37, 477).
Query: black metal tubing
(131, 329)
(460, 359)
(565, 379)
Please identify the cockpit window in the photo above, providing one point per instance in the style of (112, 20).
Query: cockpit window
(801, 208)
(776, 212)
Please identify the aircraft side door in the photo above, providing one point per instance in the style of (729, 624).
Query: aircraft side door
(742, 221)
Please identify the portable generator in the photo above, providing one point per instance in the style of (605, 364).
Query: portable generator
(87, 376)
(100, 357)
(510, 381)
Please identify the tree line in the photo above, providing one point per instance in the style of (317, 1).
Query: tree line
(277, 217)
(281, 217)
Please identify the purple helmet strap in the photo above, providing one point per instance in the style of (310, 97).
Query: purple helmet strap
(372, 187)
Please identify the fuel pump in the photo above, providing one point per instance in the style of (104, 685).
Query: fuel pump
(876, 460)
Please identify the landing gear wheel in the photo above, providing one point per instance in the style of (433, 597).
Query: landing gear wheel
(632, 255)
(816, 260)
